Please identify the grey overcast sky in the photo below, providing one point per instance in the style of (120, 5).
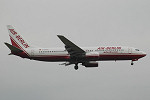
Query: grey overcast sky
(86, 23)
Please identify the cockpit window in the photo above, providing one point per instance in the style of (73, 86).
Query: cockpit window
(137, 49)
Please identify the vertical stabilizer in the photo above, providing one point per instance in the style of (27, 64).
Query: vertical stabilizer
(16, 39)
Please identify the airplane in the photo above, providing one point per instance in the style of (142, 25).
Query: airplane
(71, 53)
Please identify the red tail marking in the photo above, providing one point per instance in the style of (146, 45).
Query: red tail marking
(12, 31)
(20, 39)
(14, 44)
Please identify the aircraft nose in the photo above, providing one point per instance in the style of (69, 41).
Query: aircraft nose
(144, 54)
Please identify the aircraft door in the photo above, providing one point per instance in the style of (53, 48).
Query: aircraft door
(32, 52)
(129, 50)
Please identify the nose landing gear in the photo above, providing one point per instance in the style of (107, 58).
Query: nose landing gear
(132, 62)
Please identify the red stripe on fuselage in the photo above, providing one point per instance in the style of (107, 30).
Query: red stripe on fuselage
(121, 57)
(13, 43)
(51, 58)
(101, 57)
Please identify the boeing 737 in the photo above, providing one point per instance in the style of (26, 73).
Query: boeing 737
(71, 53)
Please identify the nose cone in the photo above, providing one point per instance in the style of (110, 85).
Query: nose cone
(144, 54)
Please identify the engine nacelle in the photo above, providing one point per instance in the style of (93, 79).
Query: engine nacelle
(90, 64)
(92, 55)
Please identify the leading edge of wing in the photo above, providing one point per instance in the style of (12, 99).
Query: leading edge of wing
(70, 46)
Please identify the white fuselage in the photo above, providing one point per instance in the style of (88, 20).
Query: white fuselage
(100, 53)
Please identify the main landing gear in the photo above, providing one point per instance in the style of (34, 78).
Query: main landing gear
(76, 67)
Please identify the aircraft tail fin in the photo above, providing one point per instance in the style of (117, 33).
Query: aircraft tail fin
(16, 39)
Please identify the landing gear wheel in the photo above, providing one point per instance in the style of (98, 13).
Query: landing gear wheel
(132, 63)
(76, 67)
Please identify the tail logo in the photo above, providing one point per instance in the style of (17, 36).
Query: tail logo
(20, 39)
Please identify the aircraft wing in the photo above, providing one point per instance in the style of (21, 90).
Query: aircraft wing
(72, 49)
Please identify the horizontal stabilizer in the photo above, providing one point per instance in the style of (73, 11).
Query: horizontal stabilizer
(13, 48)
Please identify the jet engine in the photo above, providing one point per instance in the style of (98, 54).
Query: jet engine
(90, 64)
